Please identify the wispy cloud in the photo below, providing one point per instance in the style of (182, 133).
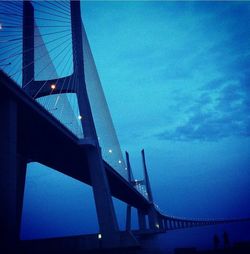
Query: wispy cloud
(226, 114)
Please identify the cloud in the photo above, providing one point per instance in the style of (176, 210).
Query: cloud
(211, 119)
(207, 128)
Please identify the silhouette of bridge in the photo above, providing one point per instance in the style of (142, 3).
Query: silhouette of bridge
(53, 111)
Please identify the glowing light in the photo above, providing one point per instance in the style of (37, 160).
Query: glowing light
(126, 169)
(80, 117)
(53, 86)
(99, 236)
(119, 161)
(157, 225)
(1, 26)
(110, 151)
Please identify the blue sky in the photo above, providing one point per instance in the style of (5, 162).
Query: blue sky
(175, 76)
(187, 58)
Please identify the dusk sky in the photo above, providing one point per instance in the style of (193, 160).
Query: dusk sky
(176, 79)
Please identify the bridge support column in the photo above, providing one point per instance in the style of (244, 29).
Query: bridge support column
(178, 224)
(21, 179)
(111, 237)
(104, 205)
(128, 218)
(172, 224)
(153, 219)
(8, 175)
(161, 223)
(184, 224)
(175, 224)
(141, 220)
(166, 223)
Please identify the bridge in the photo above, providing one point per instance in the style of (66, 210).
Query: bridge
(56, 114)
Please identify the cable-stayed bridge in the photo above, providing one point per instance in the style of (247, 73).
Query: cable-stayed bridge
(53, 111)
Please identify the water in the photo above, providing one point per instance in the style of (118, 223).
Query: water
(201, 238)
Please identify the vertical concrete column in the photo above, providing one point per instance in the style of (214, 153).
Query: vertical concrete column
(165, 221)
(152, 214)
(153, 218)
(12, 164)
(167, 224)
(128, 215)
(172, 223)
(176, 224)
(104, 205)
(8, 174)
(141, 220)
(160, 223)
(146, 177)
(21, 179)
(179, 224)
(128, 218)
(28, 44)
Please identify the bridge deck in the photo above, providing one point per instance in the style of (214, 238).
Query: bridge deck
(43, 139)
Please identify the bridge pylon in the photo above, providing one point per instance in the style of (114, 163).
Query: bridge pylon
(154, 218)
(108, 226)
(128, 214)
(12, 177)
(148, 219)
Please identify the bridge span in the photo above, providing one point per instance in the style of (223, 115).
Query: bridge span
(30, 133)
(38, 135)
